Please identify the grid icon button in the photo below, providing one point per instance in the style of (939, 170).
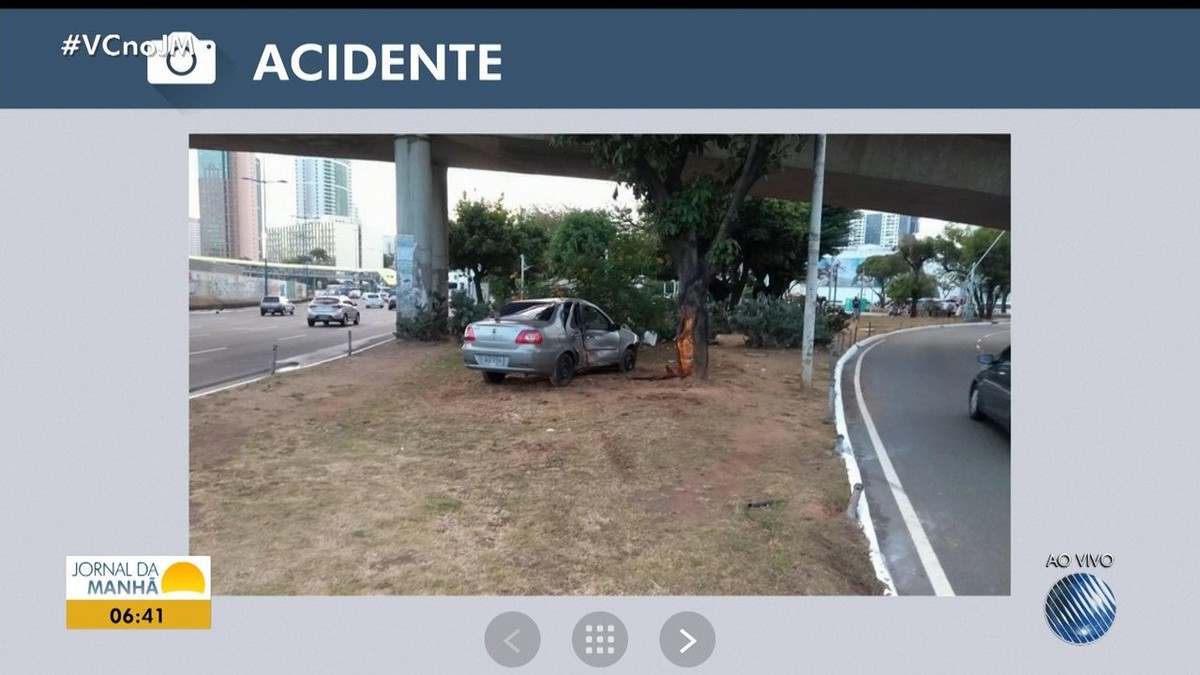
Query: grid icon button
(599, 639)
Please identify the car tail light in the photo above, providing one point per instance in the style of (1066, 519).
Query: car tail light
(529, 337)
(469, 335)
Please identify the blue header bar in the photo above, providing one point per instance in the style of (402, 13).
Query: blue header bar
(598, 59)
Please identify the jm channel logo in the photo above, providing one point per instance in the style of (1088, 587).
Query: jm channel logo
(176, 58)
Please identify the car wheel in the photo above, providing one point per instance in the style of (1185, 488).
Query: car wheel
(564, 370)
(262, 312)
(292, 312)
(356, 318)
(628, 360)
(973, 404)
(494, 378)
(343, 321)
(311, 323)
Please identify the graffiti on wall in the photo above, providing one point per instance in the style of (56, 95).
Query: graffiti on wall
(410, 291)
(215, 289)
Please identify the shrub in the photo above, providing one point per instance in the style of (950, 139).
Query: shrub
(428, 324)
(776, 323)
(465, 311)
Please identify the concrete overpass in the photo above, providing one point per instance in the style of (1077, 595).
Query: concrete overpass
(961, 178)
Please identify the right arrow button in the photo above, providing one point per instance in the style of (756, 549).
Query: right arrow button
(690, 641)
(687, 639)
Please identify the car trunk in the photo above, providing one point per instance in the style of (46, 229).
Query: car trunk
(501, 334)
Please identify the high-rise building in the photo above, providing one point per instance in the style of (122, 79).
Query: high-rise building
(193, 236)
(323, 188)
(880, 229)
(340, 238)
(230, 208)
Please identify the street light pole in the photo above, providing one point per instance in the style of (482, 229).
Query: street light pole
(262, 228)
(971, 276)
(523, 268)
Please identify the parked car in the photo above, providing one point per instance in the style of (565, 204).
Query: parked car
(332, 309)
(275, 304)
(554, 337)
(990, 390)
(355, 293)
(392, 302)
(372, 300)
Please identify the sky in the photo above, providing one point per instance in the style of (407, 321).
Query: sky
(373, 187)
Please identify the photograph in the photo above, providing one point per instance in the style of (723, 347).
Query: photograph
(580, 365)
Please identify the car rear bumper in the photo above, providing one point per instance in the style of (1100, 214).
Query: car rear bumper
(523, 361)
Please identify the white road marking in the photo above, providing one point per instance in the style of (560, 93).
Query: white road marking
(929, 559)
(292, 337)
(205, 351)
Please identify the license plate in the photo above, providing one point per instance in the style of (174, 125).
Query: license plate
(492, 361)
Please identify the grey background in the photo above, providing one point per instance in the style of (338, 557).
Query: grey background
(95, 412)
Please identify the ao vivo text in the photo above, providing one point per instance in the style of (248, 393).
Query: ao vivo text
(1081, 560)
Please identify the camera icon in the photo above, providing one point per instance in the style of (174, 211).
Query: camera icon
(182, 58)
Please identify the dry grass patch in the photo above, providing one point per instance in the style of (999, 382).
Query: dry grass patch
(398, 471)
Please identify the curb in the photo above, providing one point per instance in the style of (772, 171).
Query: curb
(854, 475)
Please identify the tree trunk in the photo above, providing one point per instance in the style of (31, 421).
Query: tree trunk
(991, 301)
(691, 340)
(739, 287)
(477, 279)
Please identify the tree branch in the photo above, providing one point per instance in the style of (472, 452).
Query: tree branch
(755, 158)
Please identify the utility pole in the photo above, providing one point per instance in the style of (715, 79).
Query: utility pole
(262, 229)
(814, 254)
(523, 268)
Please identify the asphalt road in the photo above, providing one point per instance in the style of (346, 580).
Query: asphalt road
(235, 344)
(939, 488)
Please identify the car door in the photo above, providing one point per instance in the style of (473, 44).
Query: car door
(600, 340)
(573, 324)
(995, 391)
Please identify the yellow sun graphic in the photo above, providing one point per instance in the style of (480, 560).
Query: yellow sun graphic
(183, 576)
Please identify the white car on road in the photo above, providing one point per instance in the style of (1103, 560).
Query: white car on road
(373, 300)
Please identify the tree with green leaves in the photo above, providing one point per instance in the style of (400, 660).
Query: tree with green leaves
(915, 253)
(772, 245)
(908, 285)
(607, 260)
(488, 241)
(881, 269)
(693, 213)
(958, 249)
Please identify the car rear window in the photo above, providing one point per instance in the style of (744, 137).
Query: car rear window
(271, 298)
(325, 301)
(528, 311)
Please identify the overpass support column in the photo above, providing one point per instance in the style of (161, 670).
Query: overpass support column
(440, 234)
(414, 225)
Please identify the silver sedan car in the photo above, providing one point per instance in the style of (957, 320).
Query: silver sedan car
(332, 308)
(554, 337)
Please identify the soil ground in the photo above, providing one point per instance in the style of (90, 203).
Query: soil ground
(399, 472)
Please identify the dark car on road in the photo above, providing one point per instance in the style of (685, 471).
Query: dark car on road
(275, 304)
(990, 391)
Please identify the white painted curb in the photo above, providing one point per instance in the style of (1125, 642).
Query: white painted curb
(855, 475)
(852, 471)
